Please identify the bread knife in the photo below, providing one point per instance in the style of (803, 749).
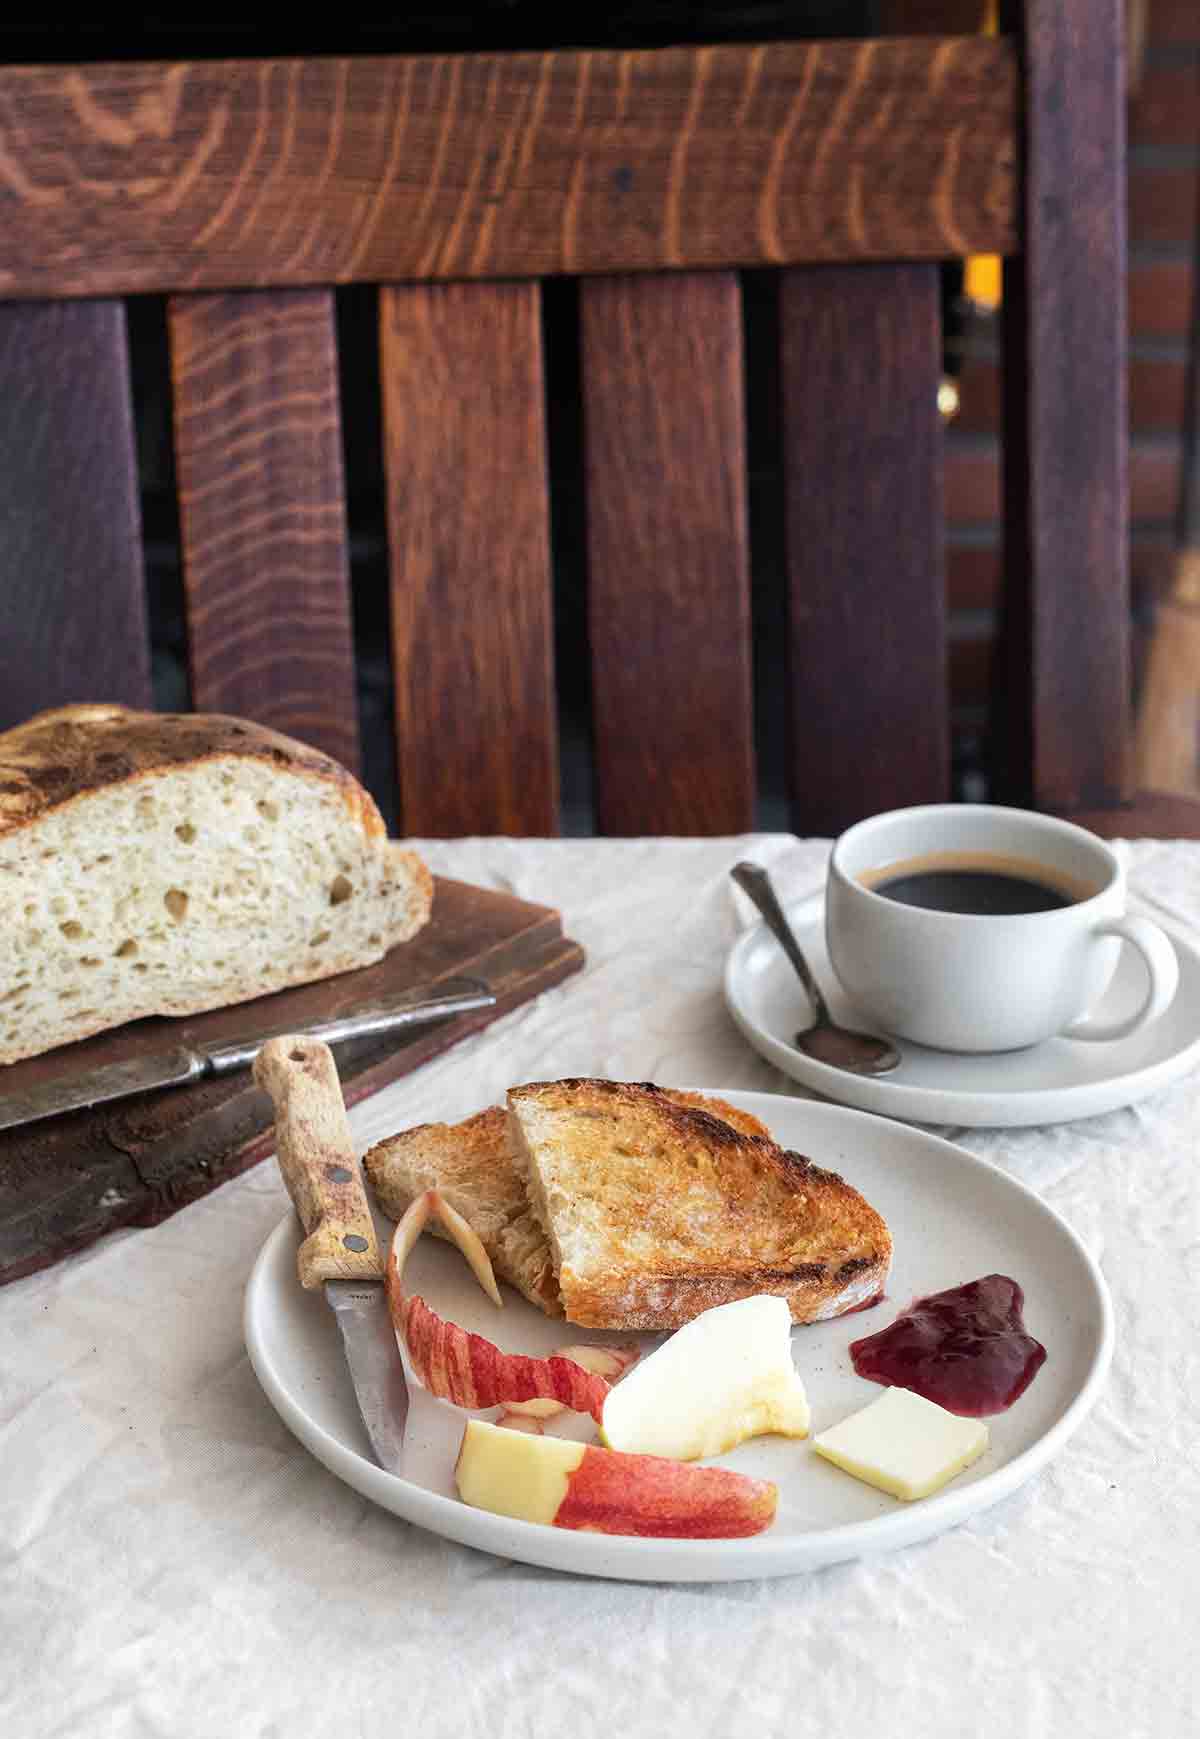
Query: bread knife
(179, 1064)
(340, 1251)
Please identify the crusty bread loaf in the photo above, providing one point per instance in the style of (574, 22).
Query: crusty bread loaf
(656, 1211)
(473, 1165)
(168, 863)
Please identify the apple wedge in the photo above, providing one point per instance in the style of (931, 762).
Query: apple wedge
(725, 1376)
(576, 1485)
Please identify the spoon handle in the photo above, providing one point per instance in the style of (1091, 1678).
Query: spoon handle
(754, 881)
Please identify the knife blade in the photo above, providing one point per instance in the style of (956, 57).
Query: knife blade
(340, 1252)
(179, 1064)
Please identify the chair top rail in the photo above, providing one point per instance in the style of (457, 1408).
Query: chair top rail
(152, 176)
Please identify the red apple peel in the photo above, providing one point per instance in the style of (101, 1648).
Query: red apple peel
(465, 1368)
(611, 1363)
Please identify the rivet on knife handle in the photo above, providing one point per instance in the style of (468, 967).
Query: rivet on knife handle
(318, 1163)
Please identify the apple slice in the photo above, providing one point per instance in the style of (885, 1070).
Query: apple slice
(611, 1363)
(576, 1485)
(466, 1368)
(724, 1376)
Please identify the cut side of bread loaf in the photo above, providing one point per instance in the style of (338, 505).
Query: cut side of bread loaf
(474, 1166)
(170, 863)
(656, 1211)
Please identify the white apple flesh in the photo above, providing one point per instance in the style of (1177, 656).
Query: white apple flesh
(725, 1376)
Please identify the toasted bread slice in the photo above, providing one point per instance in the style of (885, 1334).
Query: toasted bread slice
(472, 1163)
(656, 1211)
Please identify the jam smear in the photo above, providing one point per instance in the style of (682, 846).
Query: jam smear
(966, 1349)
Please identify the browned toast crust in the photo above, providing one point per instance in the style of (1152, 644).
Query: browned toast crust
(472, 1162)
(686, 1212)
(71, 751)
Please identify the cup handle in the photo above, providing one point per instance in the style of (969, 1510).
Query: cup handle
(1162, 966)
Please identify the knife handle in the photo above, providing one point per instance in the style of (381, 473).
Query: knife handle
(318, 1162)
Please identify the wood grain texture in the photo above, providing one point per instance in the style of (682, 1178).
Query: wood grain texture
(1063, 686)
(468, 527)
(668, 561)
(860, 357)
(67, 1181)
(72, 598)
(262, 513)
(284, 172)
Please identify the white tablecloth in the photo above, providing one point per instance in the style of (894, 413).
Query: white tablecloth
(172, 1562)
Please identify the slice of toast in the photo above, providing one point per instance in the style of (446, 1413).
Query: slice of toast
(656, 1211)
(473, 1165)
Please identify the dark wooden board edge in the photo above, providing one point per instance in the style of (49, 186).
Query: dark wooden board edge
(139, 1162)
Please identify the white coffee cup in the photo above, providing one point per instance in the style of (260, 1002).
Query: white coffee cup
(986, 981)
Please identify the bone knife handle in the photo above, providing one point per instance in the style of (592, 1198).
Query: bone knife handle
(318, 1163)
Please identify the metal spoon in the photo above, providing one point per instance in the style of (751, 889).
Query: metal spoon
(860, 1053)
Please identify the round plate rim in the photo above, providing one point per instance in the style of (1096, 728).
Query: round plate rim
(633, 1558)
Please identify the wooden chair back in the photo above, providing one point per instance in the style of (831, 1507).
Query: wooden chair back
(248, 191)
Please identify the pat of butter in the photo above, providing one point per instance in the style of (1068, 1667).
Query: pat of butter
(903, 1444)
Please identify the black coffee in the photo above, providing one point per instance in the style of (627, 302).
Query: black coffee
(973, 891)
(980, 883)
(976, 891)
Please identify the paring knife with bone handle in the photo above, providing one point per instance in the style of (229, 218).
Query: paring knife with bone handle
(341, 1250)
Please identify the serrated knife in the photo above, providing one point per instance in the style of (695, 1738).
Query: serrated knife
(340, 1251)
(178, 1065)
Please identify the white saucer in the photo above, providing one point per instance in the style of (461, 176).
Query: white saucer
(1050, 1083)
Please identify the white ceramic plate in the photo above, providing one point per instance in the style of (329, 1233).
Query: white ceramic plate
(953, 1218)
(1051, 1083)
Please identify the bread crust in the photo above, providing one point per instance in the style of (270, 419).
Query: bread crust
(470, 1163)
(474, 1166)
(56, 757)
(100, 939)
(695, 1213)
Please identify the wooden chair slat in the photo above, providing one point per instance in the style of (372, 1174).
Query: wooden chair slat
(72, 597)
(860, 362)
(668, 561)
(468, 524)
(1065, 655)
(220, 174)
(262, 512)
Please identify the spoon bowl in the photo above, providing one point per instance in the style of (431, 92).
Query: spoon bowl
(841, 1047)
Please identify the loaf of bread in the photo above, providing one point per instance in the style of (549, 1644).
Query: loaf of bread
(157, 863)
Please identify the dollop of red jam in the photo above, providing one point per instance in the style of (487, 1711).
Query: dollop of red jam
(966, 1349)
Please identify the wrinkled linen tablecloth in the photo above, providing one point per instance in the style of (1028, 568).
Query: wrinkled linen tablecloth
(173, 1562)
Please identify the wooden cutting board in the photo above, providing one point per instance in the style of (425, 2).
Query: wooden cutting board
(68, 1180)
